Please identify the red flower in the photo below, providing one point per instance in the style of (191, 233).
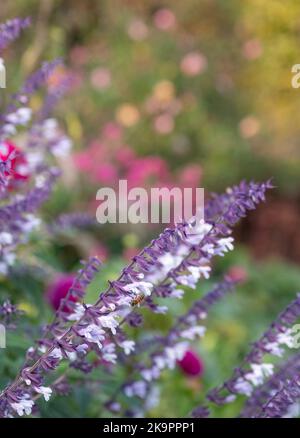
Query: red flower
(58, 290)
(191, 364)
(18, 169)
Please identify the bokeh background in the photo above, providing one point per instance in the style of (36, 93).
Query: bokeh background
(193, 93)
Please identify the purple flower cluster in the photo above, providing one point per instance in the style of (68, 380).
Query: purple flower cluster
(254, 371)
(171, 348)
(8, 314)
(11, 29)
(275, 398)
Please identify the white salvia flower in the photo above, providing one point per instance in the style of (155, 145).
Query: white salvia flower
(198, 271)
(93, 333)
(23, 115)
(50, 127)
(71, 355)
(153, 398)
(45, 391)
(78, 313)
(172, 354)
(193, 332)
(170, 261)
(3, 268)
(293, 411)
(124, 301)
(109, 307)
(128, 346)
(20, 117)
(40, 181)
(138, 388)
(109, 321)
(6, 238)
(188, 280)
(56, 353)
(224, 245)
(197, 232)
(62, 148)
(209, 248)
(9, 258)
(286, 338)
(108, 353)
(160, 362)
(32, 222)
(230, 398)
(274, 349)
(150, 373)
(139, 287)
(161, 309)
(259, 372)
(243, 387)
(23, 406)
(177, 293)
(34, 158)
(82, 348)
(9, 129)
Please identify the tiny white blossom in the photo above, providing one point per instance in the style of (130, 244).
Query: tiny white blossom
(56, 353)
(193, 332)
(45, 391)
(82, 348)
(243, 387)
(139, 287)
(224, 245)
(23, 406)
(6, 238)
(259, 372)
(138, 388)
(128, 346)
(78, 313)
(109, 321)
(93, 333)
(108, 353)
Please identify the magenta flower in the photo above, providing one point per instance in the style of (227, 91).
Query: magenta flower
(58, 289)
(191, 364)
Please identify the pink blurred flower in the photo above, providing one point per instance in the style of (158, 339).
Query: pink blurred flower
(191, 364)
(249, 126)
(129, 253)
(106, 173)
(137, 30)
(147, 170)
(101, 78)
(252, 49)
(58, 289)
(112, 131)
(79, 55)
(190, 175)
(238, 273)
(100, 251)
(125, 156)
(164, 124)
(193, 64)
(164, 19)
(83, 161)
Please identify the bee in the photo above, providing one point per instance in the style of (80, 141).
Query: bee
(138, 300)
